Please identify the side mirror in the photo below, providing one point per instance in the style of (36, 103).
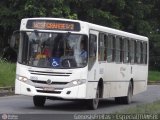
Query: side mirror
(14, 41)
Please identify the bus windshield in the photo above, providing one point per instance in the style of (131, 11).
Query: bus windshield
(53, 50)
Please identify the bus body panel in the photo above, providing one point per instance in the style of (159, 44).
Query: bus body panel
(140, 78)
(117, 78)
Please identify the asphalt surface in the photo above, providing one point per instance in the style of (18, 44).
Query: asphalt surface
(18, 104)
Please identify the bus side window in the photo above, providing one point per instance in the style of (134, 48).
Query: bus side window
(126, 50)
(132, 51)
(144, 52)
(121, 49)
(102, 47)
(117, 49)
(135, 50)
(92, 50)
(110, 48)
(138, 52)
(141, 52)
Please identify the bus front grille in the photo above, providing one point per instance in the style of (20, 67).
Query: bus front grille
(45, 91)
(45, 82)
(65, 74)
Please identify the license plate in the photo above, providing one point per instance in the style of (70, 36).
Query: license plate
(48, 89)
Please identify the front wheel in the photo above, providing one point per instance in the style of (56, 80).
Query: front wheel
(39, 101)
(93, 103)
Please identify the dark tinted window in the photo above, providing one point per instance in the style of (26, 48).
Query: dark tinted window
(126, 50)
(110, 48)
(92, 50)
(117, 49)
(102, 47)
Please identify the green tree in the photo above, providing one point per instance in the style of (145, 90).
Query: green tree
(135, 16)
(12, 11)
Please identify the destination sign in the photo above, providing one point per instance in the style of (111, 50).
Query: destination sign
(53, 25)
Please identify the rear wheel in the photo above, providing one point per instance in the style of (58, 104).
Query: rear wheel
(39, 101)
(93, 103)
(126, 99)
(119, 100)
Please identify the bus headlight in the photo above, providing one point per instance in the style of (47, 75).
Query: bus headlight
(21, 78)
(76, 82)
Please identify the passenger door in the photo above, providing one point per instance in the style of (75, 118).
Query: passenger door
(92, 64)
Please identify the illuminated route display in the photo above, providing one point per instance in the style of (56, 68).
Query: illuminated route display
(53, 25)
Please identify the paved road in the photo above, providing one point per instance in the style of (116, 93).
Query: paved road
(18, 104)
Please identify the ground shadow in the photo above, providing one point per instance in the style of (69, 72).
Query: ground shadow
(78, 106)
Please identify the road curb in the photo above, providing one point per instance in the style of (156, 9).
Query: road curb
(5, 91)
(153, 83)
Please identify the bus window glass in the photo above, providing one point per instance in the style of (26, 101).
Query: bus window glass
(102, 47)
(121, 49)
(110, 48)
(132, 51)
(144, 52)
(92, 50)
(141, 52)
(117, 48)
(135, 50)
(126, 50)
(53, 50)
(138, 52)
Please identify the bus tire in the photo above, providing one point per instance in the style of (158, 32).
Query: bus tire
(39, 101)
(126, 99)
(93, 103)
(118, 100)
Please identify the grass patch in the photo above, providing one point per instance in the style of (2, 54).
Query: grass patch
(7, 73)
(151, 108)
(154, 76)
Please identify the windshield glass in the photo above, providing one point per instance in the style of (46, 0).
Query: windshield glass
(53, 50)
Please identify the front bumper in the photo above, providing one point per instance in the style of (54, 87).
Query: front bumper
(75, 92)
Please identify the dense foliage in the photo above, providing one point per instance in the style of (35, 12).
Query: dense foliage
(136, 16)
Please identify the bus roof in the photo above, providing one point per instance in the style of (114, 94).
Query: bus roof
(95, 27)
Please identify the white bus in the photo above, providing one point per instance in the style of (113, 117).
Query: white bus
(76, 60)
